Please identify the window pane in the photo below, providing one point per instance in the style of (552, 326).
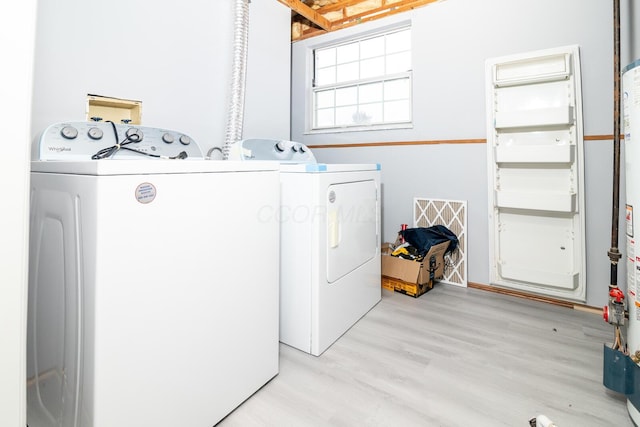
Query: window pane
(345, 115)
(397, 111)
(326, 76)
(373, 112)
(400, 41)
(324, 118)
(365, 82)
(372, 47)
(347, 96)
(325, 57)
(325, 99)
(372, 67)
(370, 93)
(361, 118)
(396, 89)
(398, 62)
(347, 72)
(347, 53)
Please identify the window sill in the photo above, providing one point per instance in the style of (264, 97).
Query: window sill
(360, 128)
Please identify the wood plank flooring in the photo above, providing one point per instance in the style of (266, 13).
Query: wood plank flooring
(453, 357)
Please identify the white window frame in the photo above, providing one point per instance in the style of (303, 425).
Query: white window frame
(313, 89)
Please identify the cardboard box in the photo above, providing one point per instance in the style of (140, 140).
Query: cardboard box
(411, 277)
(385, 249)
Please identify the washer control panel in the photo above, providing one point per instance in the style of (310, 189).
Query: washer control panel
(271, 149)
(106, 140)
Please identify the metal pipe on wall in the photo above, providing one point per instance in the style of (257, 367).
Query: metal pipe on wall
(614, 312)
(614, 253)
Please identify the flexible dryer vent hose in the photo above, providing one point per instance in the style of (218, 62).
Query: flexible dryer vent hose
(235, 116)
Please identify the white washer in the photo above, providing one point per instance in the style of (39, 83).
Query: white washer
(153, 295)
(330, 242)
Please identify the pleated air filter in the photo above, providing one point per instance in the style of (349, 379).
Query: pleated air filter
(453, 215)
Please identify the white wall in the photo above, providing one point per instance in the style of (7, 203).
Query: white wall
(267, 105)
(17, 33)
(175, 57)
(452, 40)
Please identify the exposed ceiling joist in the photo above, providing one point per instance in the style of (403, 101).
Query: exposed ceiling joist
(378, 12)
(304, 10)
(314, 17)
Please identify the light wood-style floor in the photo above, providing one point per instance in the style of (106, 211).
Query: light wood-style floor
(453, 357)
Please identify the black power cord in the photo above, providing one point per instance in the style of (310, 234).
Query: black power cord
(105, 153)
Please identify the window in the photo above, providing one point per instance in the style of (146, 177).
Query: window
(363, 83)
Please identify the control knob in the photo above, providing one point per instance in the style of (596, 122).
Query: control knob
(185, 140)
(168, 138)
(69, 132)
(280, 147)
(134, 134)
(95, 133)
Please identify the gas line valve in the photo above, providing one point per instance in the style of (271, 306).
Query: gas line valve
(614, 312)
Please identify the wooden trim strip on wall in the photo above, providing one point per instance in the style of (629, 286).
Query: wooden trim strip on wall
(600, 137)
(533, 297)
(438, 141)
(382, 144)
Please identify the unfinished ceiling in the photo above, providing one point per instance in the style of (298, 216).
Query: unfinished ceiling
(313, 17)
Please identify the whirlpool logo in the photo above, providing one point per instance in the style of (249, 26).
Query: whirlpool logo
(59, 149)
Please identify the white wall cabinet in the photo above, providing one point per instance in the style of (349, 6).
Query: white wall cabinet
(535, 170)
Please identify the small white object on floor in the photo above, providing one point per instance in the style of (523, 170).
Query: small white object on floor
(543, 421)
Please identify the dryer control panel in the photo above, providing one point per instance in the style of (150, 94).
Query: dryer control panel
(105, 140)
(271, 149)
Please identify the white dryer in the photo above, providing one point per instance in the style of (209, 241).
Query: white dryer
(330, 242)
(153, 288)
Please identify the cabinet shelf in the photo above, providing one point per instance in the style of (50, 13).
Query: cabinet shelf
(533, 70)
(535, 154)
(542, 117)
(568, 281)
(541, 201)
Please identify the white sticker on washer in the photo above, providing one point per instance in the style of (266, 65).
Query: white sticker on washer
(145, 192)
